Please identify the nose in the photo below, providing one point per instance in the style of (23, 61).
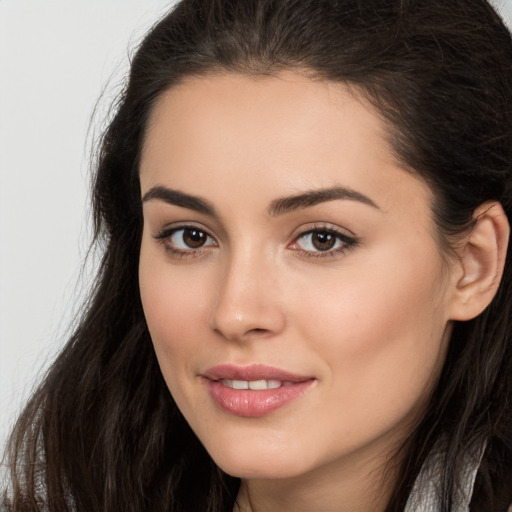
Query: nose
(248, 302)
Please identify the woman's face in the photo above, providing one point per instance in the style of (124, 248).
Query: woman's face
(296, 296)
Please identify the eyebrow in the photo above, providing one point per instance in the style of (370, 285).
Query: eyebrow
(277, 207)
(179, 199)
(314, 197)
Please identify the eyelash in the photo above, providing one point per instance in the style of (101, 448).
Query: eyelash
(347, 242)
(165, 235)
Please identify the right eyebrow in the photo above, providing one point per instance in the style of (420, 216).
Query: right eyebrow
(178, 198)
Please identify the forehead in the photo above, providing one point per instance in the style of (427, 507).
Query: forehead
(272, 136)
(258, 108)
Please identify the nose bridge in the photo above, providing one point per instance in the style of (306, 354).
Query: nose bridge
(247, 302)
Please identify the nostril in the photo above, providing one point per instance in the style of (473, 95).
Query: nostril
(256, 331)
(250, 333)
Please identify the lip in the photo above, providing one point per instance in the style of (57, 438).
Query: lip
(254, 403)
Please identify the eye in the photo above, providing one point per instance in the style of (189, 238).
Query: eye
(185, 240)
(323, 241)
(188, 238)
(319, 241)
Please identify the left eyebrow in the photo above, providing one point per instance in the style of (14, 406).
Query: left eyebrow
(314, 197)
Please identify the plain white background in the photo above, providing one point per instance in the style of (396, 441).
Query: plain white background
(56, 57)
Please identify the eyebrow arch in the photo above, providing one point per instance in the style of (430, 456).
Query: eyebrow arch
(177, 198)
(314, 197)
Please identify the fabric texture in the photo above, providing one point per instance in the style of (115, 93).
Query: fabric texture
(424, 495)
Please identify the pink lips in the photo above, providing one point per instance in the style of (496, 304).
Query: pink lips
(272, 388)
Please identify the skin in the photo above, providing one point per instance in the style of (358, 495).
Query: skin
(370, 321)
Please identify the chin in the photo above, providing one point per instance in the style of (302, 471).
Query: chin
(260, 464)
(254, 471)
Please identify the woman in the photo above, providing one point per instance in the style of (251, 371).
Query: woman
(304, 298)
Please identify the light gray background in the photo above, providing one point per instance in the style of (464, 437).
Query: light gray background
(56, 57)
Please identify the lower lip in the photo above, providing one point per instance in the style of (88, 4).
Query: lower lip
(254, 403)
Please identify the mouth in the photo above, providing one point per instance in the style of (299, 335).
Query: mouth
(254, 391)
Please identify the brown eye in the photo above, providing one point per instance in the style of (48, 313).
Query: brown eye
(194, 238)
(186, 239)
(323, 240)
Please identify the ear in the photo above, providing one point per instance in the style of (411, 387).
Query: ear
(481, 261)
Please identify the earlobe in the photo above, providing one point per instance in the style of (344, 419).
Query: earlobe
(481, 262)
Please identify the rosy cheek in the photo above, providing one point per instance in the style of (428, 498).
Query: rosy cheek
(389, 308)
(174, 307)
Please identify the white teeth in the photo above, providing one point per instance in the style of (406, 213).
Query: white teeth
(252, 384)
(274, 384)
(240, 384)
(258, 384)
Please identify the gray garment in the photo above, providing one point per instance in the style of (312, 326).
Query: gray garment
(424, 495)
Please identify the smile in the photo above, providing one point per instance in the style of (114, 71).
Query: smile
(255, 390)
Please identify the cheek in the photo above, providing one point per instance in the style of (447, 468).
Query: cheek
(374, 305)
(375, 317)
(174, 307)
(382, 334)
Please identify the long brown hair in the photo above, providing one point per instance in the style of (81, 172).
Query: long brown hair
(102, 432)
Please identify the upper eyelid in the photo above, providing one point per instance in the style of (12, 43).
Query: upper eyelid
(169, 229)
(320, 229)
(319, 226)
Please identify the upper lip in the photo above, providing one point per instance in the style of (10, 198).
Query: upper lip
(252, 372)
